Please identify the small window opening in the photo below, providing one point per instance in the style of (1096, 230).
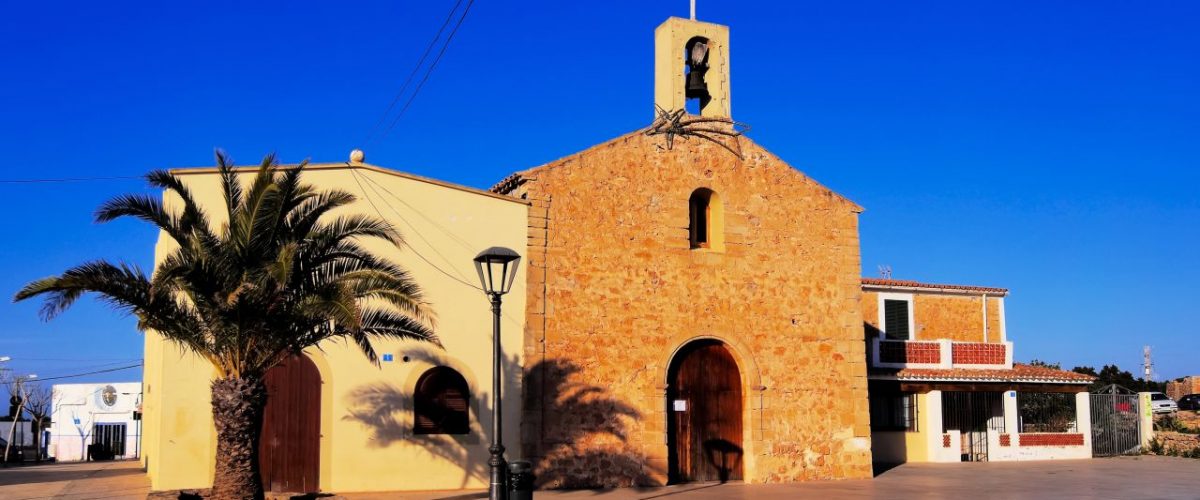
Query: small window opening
(695, 58)
(705, 223)
(895, 314)
(440, 403)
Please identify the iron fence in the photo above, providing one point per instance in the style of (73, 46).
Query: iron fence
(1046, 412)
(973, 414)
(1116, 426)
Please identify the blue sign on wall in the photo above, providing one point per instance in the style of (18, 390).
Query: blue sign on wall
(387, 357)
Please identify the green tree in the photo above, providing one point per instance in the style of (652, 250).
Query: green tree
(1112, 374)
(279, 275)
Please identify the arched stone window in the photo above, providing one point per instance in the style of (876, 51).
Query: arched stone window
(441, 402)
(706, 226)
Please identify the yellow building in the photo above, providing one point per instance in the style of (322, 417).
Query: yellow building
(364, 435)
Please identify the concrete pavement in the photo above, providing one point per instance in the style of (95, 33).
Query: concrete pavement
(1107, 478)
(123, 480)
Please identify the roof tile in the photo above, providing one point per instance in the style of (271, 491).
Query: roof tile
(1018, 373)
(918, 284)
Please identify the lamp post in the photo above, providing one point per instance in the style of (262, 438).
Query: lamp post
(497, 268)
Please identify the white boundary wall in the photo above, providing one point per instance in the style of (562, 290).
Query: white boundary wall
(78, 408)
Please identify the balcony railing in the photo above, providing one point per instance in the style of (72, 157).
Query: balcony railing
(887, 353)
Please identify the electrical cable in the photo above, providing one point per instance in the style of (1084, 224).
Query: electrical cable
(69, 179)
(40, 379)
(407, 81)
(367, 195)
(432, 66)
(463, 243)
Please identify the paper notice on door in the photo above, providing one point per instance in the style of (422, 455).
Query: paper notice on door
(680, 405)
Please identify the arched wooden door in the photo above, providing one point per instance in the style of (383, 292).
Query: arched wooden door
(704, 407)
(290, 449)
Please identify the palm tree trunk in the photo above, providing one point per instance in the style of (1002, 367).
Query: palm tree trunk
(238, 405)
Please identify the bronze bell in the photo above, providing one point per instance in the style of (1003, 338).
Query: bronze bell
(697, 62)
(696, 88)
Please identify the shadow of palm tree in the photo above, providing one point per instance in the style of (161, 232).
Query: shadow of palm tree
(577, 434)
(385, 410)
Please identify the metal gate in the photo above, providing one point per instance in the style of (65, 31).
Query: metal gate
(108, 441)
(1116, 428)
(973, 414)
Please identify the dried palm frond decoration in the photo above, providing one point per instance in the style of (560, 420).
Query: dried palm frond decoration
(679, 123)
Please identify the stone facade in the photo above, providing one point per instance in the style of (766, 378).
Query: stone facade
(614, 289)
(1182, 387)
(938, 316)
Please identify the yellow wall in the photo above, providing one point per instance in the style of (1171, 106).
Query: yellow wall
(896, 447)
(670, 38)
(366, 441)
(917, 443)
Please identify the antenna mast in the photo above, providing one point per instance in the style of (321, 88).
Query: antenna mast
(1147, 365)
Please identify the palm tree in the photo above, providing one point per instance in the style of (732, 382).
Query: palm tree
(280, 275)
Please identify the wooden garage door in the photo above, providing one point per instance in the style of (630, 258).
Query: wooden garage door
(705, 407)
(290, 450)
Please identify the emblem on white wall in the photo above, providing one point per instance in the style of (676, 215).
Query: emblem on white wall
(107, 397)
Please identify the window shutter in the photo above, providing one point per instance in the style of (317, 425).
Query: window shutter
(895, 315)
(441, 403)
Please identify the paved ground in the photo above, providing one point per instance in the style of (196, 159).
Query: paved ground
(1112, 478)
(122, 480)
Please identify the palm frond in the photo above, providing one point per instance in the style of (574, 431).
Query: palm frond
(280, 276)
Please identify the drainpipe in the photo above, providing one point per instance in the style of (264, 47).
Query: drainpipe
(985, 325)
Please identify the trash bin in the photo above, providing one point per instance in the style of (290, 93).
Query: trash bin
(520, 480)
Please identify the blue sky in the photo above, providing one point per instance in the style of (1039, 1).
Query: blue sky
(1048, 147)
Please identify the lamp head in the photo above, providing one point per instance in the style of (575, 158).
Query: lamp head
(497, 268)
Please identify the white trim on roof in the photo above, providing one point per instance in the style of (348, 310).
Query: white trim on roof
(1021, 380)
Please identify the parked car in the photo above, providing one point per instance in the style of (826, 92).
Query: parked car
(1190, 402)
(1160, 403)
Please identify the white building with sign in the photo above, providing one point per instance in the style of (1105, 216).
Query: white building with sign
(100, 414)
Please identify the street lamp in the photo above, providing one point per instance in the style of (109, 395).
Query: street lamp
(497, 268)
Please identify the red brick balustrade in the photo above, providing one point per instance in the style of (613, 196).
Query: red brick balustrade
(1049, 439)
(910, 352)
(1006, 440)
(963, 353)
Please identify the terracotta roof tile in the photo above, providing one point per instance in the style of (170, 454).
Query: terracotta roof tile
(916, 284)
(1018, 373)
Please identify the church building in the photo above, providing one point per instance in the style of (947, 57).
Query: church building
(690, 308)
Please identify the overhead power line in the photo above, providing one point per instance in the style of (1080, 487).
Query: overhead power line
(371, 201)
(428, 71)
(70, 179)
(416, 68)
(461, 241)
(40, 379)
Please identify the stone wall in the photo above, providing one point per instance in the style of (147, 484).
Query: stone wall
(615, 290)
(1175, 443)
(938, 316)
(1187, 385)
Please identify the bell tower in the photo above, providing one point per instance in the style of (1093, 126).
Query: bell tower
(691, 67)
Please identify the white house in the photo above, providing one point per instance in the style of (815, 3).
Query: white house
(96, 413)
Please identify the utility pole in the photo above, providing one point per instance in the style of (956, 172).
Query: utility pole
(19, 384)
